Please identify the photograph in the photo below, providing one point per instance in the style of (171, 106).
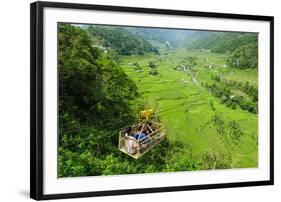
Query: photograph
(140, 100)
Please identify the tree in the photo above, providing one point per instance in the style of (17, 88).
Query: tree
(92, 90)
(191, 61)
(234, 131)
(244, 57)
(154, 72)
(152, 65)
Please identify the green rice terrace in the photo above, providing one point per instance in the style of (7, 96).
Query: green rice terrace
(202, 86)
(185, 106)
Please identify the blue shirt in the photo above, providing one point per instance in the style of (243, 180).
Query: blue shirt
(140, 136)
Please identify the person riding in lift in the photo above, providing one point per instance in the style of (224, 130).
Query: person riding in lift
(131, 145)
(142, 134)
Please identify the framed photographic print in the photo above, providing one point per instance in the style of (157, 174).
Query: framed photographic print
(134, 100)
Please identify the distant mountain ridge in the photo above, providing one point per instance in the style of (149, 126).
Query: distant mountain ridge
(241, 48)
(175, 37)
(121, 40)
(223, 42)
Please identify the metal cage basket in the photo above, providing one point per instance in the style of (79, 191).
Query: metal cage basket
(136, 148)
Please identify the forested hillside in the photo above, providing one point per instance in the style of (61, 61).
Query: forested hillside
(242, 49)
(161, 35)
(92, 90)
(94, 105)
(121, 40)
(204, 90)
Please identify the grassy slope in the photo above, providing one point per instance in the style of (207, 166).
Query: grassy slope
(186, 104)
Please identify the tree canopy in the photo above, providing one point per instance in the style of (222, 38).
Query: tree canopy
(92, 90)
(121, 40)
(241, 48)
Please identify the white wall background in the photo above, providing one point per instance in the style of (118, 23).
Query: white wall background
(14, 100)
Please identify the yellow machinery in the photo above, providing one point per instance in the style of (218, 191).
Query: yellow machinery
(146, 114)
(150, 133)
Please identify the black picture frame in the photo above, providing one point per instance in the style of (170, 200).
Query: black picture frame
(36, 98)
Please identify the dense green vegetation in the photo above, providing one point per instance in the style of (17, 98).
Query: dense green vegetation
(222, 42)
(92, 89)
(244, 57)
(108, 74)
(225, 90)
(242, 48)
(121, 40)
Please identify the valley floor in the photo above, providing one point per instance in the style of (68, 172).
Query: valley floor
(186, 107)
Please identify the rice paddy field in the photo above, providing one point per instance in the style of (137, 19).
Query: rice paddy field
(185, 106)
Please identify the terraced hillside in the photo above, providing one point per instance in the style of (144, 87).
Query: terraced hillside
(186, 107)
(202, 85)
